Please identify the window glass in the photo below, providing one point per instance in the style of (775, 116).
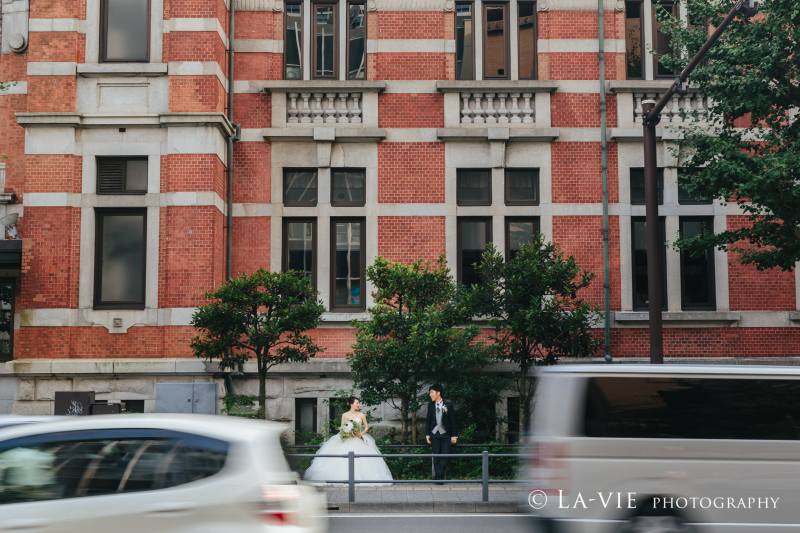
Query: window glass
(293, 42)
(684, 197)
(121, 176)
(300, 187)
(662, 43)
(356, 42)
(474, 187)
(518, 232)
(62, 465)
(300, 241)
(692, 408)
(496, 58)
(464, 42)
(6, 318)
(639, 263)
(126, 30)
(697, 273)
(121, 251)
(522, 187)
(348, 267)
(325, 56)
(473, 238)
(527, 40)
(637, 186)
(633, 40)
(348, 187)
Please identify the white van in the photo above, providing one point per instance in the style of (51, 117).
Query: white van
(666, 448)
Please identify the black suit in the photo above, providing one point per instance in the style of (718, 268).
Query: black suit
(439, 441)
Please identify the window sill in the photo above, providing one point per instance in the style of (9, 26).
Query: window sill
(522, 86)
(101, 70)
(509, 133)
(679, 318)
(332, 133)
(343, 317)
(310, 86)
(794, 316)
(637, 86)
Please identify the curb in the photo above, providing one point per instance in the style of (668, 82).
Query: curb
(427, 507)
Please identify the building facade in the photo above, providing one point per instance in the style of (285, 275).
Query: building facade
(395, 128)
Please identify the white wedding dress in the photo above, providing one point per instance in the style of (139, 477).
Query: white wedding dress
(324, 469)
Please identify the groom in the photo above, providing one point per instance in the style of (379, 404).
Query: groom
(441, 429)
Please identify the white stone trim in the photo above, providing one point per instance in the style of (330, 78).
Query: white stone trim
(410, 46)
(20, 87)
(57, 25)
(267, 46)
(55, 68)
(198, 68)
(579, 46)
(579, 5)
(196, 25)
(411, 5)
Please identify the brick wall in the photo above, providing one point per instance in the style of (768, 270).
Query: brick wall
(410, 110)
(577, 174)
(406, 239)
(411, 172)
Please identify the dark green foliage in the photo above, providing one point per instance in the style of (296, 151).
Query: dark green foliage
(754, 69)
(263, 316)
(413, 337)
(238, 405)
(535, 312)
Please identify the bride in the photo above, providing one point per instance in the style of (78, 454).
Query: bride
(324, 469)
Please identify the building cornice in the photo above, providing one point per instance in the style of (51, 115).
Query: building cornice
(521, 86)
(162, 120)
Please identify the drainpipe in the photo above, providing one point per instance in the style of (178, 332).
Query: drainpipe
(237, 128)
(235, 137)
(604, 162)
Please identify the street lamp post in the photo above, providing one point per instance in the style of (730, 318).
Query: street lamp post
(651, 113)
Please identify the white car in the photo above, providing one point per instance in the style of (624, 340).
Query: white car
(667, 449)
(152, 473)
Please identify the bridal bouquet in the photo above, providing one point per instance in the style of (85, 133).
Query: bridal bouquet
(351, 429)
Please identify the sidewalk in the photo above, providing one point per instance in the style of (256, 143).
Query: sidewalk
(428, 498)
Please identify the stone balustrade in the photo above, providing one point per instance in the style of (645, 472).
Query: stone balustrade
(323, 108)
(497, 108)
(686, 107)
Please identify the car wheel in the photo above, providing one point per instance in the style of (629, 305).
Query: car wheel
(652, 520)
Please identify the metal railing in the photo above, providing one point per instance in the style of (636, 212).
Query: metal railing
(351, 468)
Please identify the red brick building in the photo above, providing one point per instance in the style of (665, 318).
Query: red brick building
(400, 128)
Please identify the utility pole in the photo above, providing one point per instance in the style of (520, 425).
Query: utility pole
(651, 111)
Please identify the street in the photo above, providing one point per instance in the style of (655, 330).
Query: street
(414, 523)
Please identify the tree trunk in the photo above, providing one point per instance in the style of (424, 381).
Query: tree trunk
(404, 419)
(414, 433)
(262, 388)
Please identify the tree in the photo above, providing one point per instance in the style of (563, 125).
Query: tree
(263, 316)
(534, 310)
(750, 76)
(413, 337)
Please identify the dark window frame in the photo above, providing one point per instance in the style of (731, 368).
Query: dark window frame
(10, 355)
(469, 202)
(642, 53)
(535, 43)
(664, 292)
(455, 37)
(507, 187)
(100, 160)
(506, 39)
(285, 38)
(299, 204)
(314, 248)
(313, 41)
(460, 235)
(100, 214)
(363, 258)
(682, 170)
(659, 177)
(712, 274)
(104, 36)
(347, 37)
(537, 228)
(655, 57)
(337, 203)
(298, 402)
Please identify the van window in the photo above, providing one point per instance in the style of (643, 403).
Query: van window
(91, 463)
(693, 408)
